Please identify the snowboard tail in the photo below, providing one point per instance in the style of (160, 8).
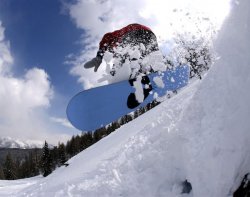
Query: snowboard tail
(97, 107)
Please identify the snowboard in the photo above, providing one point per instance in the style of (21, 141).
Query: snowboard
(97, 107)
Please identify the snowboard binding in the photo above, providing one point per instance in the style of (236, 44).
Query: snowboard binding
(132, 102)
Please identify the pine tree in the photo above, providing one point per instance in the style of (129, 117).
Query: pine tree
(77, 144)
(100, 133)
(54, 156)
(128, 118)
(24, 168)
(2, 177)
(36, 161)
(115, 125)
(71, 148)
(9, 168)
(33, 166)
(109, 129)
(89, 138)
(97, 135)
(136, 114)
(29, 167)
(83, 142)
(142, 110)
(62, 154)
(46, 161)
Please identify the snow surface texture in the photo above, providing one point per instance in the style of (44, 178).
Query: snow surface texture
(10, 188)
(216, 124)
(201, 134)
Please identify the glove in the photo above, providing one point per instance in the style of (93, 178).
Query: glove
(95, 62)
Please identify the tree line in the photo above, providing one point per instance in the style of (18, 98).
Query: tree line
(45, 161)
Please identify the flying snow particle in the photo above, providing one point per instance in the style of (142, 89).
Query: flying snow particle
(172, 80)
(159, 82)
(138, 90)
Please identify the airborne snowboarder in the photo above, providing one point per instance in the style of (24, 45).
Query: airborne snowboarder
(136, 44)
(133, 46)
(133, 35)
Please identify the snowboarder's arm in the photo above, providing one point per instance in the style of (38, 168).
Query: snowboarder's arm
(94, 63)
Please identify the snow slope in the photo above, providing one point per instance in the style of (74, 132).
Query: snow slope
(11, 188)
(219, 114)
(201, 134)
(141, 158)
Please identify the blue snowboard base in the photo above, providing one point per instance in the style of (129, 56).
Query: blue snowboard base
(97, 107)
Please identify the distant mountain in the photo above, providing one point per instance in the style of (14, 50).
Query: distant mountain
(7, 142)
(17, 154)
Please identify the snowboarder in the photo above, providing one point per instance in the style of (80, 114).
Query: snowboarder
(124, 44)
(131, 35)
